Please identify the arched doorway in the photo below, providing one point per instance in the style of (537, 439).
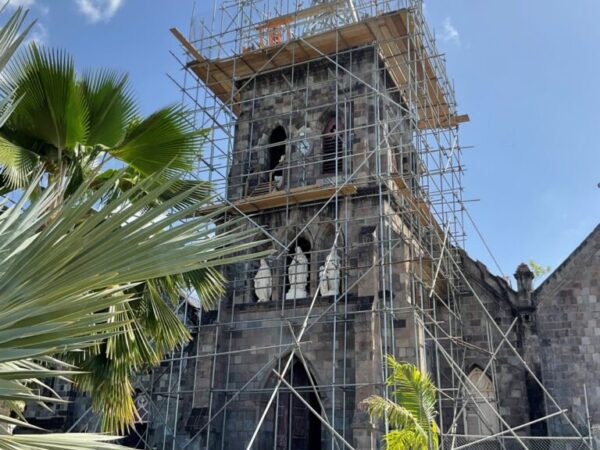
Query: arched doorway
(297, 427)
(481, 415)
(277, 151)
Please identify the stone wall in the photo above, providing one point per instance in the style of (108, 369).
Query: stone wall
(480, 333)
(307, 97)
(568, 317)
(338, 349)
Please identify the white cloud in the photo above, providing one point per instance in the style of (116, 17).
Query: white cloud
(98, 10)
(23, 3)
(29, 4)
(449, 32)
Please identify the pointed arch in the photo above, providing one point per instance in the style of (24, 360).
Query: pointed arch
(481, 417)
(332, 147)
(293, 425)
(277, 146)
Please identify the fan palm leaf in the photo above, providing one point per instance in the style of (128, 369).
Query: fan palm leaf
(165, 140)
(18, 163)
(51, 108)
(66, 120)
(78, 292)
(111, 107)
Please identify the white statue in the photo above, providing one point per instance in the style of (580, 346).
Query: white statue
(263, 283)
(329, 275)
(298, 276)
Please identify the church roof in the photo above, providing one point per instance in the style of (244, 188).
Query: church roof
(591, 242)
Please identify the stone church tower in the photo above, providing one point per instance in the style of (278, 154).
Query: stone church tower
(334, 111)
(332, 132)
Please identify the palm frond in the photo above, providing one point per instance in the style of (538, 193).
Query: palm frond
(413, 390)
(411, 410)
(202, 190)
(110, 104)
(59, 441)
(405, 440)
(10, 39)
(157, 318)
(208, 284)
(16, 164)
(165, 140)
(397, 415)
(50, 107)
(70, 282)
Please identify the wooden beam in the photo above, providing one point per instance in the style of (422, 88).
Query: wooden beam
(442, 122)
(187, 45)
(298, 15)
(295, 196)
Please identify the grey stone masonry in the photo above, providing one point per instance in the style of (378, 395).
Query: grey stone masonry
(568, 317)
(557, 333)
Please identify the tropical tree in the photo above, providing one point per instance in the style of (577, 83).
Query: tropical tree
(74, 127)
(68, 278)
(65, 121)
(410, 410)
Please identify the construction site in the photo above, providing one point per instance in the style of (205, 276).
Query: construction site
(333, 131)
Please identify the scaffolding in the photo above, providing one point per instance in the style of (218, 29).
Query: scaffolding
(333, 128)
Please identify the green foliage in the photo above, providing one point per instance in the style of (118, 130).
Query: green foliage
(51, 109)
(538, 270)
(63, 120)
(69, 281)
(410, 411)
(86, 261)
(69, 125)
(110, 104)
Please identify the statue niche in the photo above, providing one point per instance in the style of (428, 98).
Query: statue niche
(299, 271)
(263, 282)
(329, 275)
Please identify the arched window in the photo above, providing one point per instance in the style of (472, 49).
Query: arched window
(481, 416)
(333, 149)
(297, 427)
(277, 151)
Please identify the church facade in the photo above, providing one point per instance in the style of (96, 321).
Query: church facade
(341, 151)
(555, 332)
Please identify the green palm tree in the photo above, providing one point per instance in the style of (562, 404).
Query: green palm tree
(410, 411)
(68, 278)
(73, 127)
(62, 120)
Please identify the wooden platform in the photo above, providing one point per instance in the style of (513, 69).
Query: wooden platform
(397, 47)
(296, 196)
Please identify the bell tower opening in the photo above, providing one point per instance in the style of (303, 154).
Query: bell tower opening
(277, 151)
(332, 149)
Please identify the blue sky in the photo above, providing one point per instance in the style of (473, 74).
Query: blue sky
(527, 72)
